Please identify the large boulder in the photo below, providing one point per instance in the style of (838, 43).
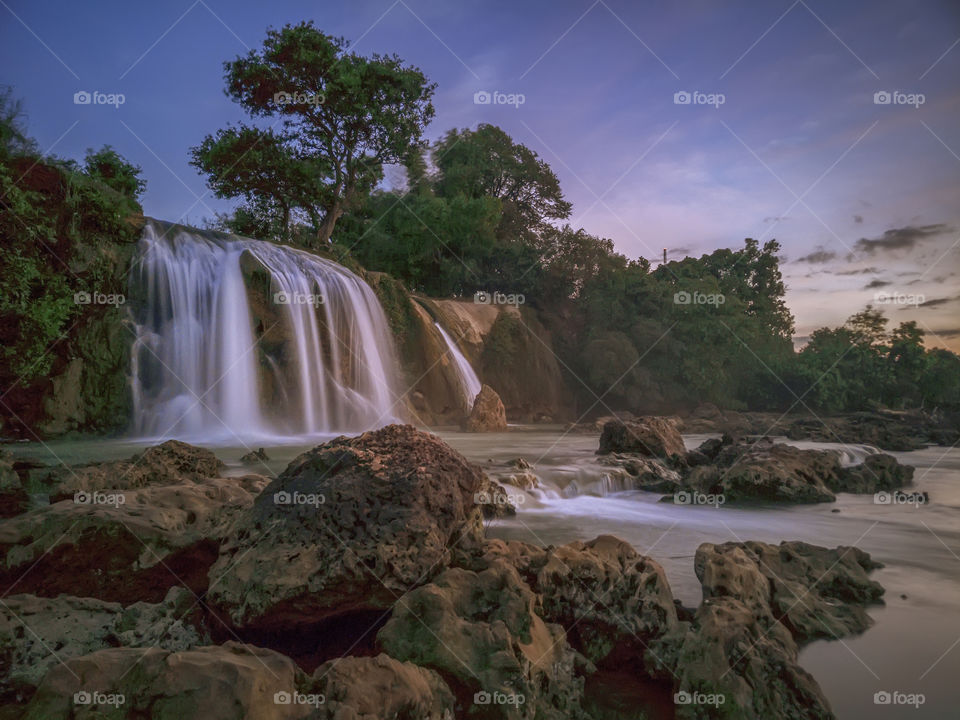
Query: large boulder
(652, 436)
(877, 473)
(30, 627)
(481, 631)
(123, 545)
(227, 682)
(764, 471)
(488, 414)
(349, 526)
(375, 688)
(171, 463)
(761, 602)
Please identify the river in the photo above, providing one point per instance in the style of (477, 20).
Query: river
(914, 646)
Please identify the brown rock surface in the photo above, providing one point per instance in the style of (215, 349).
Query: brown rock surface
(488, 413)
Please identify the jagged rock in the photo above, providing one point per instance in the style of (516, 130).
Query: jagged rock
(480, 630)
(123, 546)
(31, 627)
(494, 500)
(170, 463)
(875, 474)
(814, 591)
(652, 436)
(645, 473)
(604, 593)
(255, 457)
(767, 472)
(488, 413)
(349, 525)
(760, 603)
(520, 464)
(375, 688)
(226, 682)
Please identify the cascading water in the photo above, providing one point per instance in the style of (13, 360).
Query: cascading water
(469, 382)
(241, 339)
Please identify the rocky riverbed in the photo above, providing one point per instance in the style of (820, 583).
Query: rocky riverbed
(359, 582)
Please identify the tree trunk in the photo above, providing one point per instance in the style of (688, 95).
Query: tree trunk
(325, 230)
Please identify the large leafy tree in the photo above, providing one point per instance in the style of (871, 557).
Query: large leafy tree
(487, 162)
(341, 118)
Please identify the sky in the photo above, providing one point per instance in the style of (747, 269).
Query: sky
(691, 125)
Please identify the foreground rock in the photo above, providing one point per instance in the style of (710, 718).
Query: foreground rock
(650, 436)
(761, 603)
(349, 526)
(170, 463)
(488, 413)
(31, 627)
(214, 683)
(123, 546)
(481, 630)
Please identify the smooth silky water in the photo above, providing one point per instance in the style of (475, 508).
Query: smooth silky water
(914, 647)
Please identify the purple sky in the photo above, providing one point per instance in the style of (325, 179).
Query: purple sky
(862, 196)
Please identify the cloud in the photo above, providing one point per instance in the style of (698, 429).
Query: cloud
(902, 238)
(818, 256)
(937, 301)
(861, 271)
(947, 332)
(874, 284)
(858, 219)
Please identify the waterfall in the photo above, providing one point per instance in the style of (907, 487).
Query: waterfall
(241, 339)
(469, 382)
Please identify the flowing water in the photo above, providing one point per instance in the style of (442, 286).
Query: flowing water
(914, 647)
(322, 365)
(469, 382)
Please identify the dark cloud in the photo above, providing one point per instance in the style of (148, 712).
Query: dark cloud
(947, 332)
(858, 219)
(874, 284)
(776, 218)
(937, 302)
(818, 256)
(903, 238)
(861, 271)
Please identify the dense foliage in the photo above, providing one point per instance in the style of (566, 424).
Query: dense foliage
(52, 213)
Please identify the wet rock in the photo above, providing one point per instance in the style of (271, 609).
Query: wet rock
(488, 414)
(875, 474)
(760, 603)
(651, 436)
(31, 627)
(494, 500)
(480, 630)
(348, 526)
(170, 463)
(123, 546)
(374, 688)
(766, 472)
(13, 498)
(255, 457)
(645, 473)
(215, 683)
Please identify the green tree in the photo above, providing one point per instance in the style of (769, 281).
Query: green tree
(108, 167)
(343, 116)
